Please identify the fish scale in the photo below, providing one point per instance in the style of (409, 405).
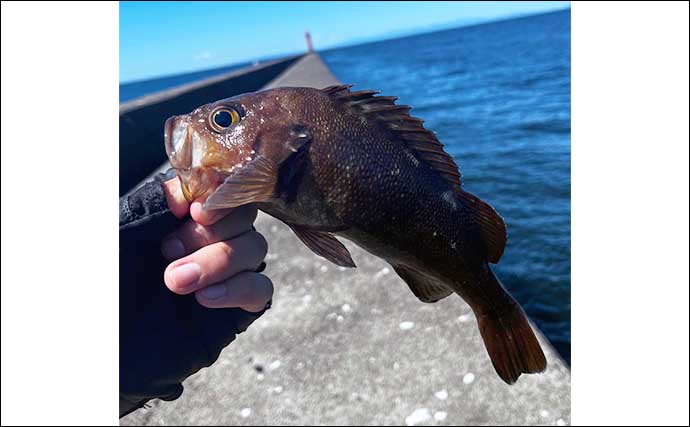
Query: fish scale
(333, 162)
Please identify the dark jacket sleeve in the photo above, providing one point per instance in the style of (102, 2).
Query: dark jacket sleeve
(146, 208)
(164, 338)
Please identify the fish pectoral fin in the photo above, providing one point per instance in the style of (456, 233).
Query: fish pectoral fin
(254, 182)
(324, 244)
(426, 288)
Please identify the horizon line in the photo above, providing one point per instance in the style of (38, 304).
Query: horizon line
(361, 42)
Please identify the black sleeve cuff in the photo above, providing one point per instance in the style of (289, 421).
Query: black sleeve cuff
(146, 203)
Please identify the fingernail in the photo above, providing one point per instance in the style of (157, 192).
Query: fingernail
(214, 292)
(173, 248)
(186, 275)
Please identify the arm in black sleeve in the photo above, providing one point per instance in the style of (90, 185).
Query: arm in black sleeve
(146, 211)
(164, 338)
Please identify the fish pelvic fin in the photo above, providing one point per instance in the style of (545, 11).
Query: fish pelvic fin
(493, 228)
(509, 339)
(324, 244)
(425, 288)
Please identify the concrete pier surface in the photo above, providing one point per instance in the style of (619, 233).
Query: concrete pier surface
(356, 347)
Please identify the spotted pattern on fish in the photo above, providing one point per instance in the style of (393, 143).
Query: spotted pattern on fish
(334, 162)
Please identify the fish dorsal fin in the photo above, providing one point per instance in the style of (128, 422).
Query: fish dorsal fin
(396, 119)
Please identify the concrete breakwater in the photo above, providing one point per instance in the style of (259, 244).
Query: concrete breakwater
(142, 119)
(354, 346)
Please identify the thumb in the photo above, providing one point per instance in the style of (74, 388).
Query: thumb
(173, 194)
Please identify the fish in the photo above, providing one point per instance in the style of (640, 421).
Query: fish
(334, 162)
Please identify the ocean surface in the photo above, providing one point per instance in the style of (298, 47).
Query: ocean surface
(498, 96)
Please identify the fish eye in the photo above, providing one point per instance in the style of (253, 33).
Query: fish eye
(223, 118)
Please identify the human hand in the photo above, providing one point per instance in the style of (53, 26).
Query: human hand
(165, 337)
(215, 255)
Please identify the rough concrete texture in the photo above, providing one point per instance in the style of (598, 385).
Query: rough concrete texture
(356, 347)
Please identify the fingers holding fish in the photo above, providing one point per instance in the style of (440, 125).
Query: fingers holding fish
(180, 207)
(192, 236)
(248, 291)
(206, 217)
(173, 194)
(216, 263)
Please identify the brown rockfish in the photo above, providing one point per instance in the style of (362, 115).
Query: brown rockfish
(335, 162)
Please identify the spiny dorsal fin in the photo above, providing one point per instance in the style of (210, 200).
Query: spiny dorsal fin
(396, 118)
(335, 89)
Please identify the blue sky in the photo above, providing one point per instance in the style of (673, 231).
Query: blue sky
(163, 38)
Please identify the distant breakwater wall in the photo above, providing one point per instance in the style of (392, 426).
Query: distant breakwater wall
(142, 119)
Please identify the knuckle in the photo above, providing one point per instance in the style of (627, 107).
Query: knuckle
(201, 235)
(227, 251)
(235, 224)
(193, 235)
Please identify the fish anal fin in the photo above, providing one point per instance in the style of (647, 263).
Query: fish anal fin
(324, 244)
(396, 119)
(253, 182)
(426, 288)
(493, 228)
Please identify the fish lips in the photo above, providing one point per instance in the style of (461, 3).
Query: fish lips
(185, 149)
(185, 146)
(177, 142)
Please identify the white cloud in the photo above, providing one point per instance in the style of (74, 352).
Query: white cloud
(203, 56)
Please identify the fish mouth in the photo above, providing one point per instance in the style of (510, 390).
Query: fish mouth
(201, 166)
(178, 145)
(186, 148)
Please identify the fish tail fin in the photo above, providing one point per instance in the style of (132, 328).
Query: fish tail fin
(509, 339)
